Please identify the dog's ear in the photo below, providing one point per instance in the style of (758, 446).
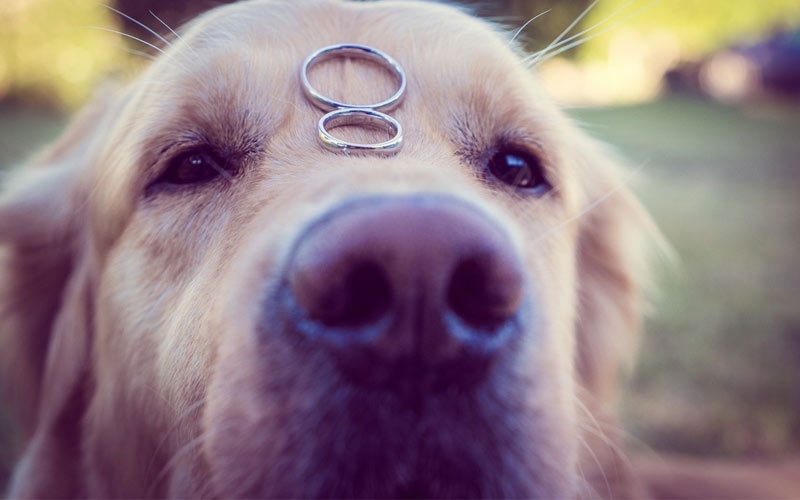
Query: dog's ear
(615, 241)
(38, 202)
(45, 283)
(616, 238)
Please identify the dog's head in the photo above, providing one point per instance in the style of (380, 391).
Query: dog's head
(201, 300)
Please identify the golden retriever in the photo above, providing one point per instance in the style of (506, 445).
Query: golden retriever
(200, 300)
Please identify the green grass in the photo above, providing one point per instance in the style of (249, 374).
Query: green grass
(720, 364)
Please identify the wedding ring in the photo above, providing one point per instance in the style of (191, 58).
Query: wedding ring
(353, 50)
(359, 117)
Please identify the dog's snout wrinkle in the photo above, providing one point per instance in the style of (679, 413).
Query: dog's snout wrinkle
(400, 284)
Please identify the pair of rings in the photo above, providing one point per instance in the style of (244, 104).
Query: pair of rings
(342, 114)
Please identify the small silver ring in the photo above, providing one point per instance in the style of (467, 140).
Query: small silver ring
(356, 51)
(352, 116)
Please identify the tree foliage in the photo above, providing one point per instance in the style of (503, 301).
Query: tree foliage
(699, 26)
(51, 51)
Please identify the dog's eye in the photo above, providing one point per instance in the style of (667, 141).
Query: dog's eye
(518, 169)
(194, 167)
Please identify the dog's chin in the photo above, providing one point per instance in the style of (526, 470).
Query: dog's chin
(346, 442)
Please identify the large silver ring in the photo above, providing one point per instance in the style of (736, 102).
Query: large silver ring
(361, 117)
(356, 51)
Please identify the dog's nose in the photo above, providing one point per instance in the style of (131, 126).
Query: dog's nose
(416, 284)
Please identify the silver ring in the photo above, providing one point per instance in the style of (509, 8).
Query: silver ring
(361, 117)
(356, 51)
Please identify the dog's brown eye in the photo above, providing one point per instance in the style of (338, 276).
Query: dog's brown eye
(194, 167)
(518, 169)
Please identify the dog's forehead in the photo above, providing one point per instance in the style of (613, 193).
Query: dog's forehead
(308, 23)
(245, 59)
(233, 81)
(429, 40)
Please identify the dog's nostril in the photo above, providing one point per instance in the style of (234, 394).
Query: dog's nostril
(363, 297)
(348, 291)
(480, 296)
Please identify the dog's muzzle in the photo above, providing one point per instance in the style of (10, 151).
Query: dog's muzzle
(421, 289)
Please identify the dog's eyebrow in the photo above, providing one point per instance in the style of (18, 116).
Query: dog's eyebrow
(168, 147)
(231, 145)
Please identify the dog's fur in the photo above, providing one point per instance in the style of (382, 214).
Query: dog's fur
(134, 341)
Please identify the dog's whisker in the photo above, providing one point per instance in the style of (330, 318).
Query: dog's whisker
(126, 35)
(622, 435)
(181, 453)
(140, 53)
(569, 46)
(522, 28)
(222, 172)
(139, 23)
(592, 206)
(188, 447)
(532, 59)
(568, 28)
(599, 464)
(174, 33)
(190, 410)
(613, 448)
(585, 488)
(594, 428)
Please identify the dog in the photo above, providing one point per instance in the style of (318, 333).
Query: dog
(201, 300)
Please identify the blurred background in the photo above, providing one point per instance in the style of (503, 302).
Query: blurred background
(703, 98)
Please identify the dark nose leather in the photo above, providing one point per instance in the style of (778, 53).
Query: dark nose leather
(400, 286)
